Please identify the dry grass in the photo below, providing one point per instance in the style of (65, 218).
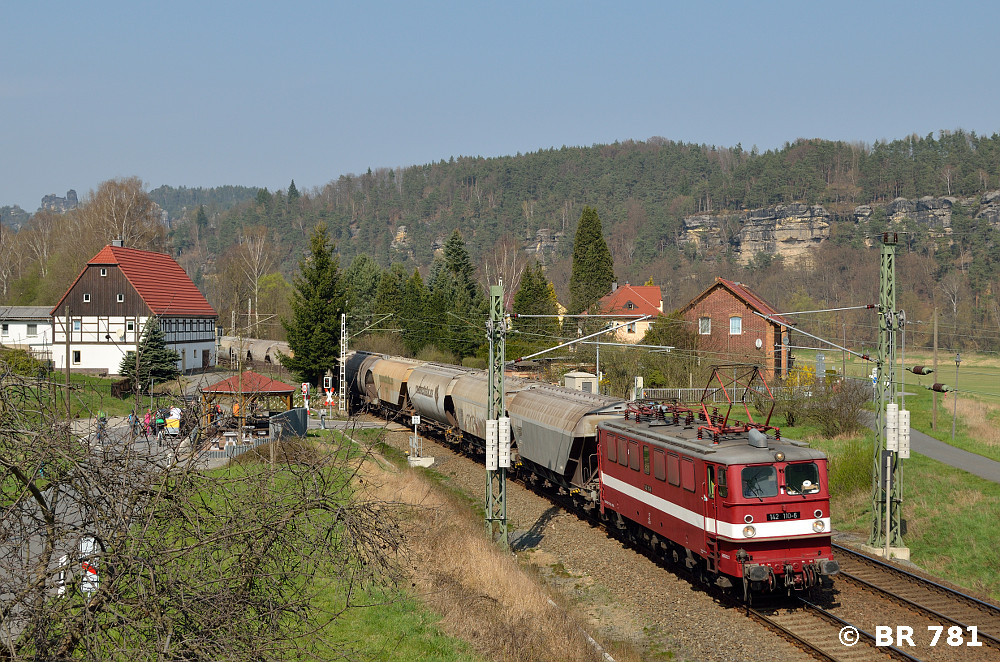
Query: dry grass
(481, 594)
(980, 418)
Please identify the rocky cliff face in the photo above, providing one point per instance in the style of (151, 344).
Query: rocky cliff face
(544, 244)
(788, 231)
(935, 213)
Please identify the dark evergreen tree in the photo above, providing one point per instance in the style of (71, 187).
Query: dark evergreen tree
(456, 260)
(361, 281)
(413, 315)
(156, 360)
(535, 296)
(459, 304)
(293, 193)
(201, 219)
(317, 302)
(593, 268)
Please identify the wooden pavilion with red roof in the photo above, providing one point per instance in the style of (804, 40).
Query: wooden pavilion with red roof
(727, 319)
(118, 292)
(248, 387)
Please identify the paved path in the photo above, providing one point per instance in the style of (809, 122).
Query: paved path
(955, 457)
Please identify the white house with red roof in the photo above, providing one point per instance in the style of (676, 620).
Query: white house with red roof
(115, 296)
(736, 325)
(628, 303)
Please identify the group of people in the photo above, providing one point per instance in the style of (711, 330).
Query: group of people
(153, 422)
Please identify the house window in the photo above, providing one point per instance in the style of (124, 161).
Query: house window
(4, 329)
(76, 325)
(32, 329)
(104, 272)
(86, 298)
(630, 305)
(631, 327)
(76, 356)
(130, 326)
(735, 326)
(705, 326)
(121, 298)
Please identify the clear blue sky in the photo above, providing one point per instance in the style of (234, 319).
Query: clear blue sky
(251, 93)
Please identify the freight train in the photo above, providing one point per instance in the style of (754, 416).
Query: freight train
(739, 509)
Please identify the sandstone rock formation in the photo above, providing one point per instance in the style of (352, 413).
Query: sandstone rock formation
(788, 231)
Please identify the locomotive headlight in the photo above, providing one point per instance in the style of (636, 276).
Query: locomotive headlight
(749, 532)
(779, 457)
(818, 526)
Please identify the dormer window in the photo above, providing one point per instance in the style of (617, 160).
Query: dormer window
(630, 305)
(86, 298)
(104, 272)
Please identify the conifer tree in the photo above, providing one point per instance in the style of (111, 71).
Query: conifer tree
(593, 268)
(317, 302)
(293, 193)
(459, 304)
(156, 360)
(535, 296)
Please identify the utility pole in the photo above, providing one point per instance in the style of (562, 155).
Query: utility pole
(934, 394)
(886, 533)
(342, 387)
(497, 424)
(69, 401)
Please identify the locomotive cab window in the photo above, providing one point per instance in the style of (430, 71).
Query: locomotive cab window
(722, 482)
(759, 482)
(710, 481)
(802, 478)
(612, 445)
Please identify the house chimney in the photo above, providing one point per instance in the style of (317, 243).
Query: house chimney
(614, 286)
(118, 243)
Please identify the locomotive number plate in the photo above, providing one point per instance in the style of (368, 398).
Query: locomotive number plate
(771, 517)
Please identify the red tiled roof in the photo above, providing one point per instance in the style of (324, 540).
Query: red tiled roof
(250, 383)
(743, 292)
(645, 299)
(163, 285)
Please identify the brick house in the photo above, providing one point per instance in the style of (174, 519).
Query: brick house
(630, 302)
(118, 292)
(729, 331)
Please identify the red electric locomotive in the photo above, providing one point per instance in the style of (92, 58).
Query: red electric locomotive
(737, 508)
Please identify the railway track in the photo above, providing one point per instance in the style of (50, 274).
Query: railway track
(923, 595)
(826, 636)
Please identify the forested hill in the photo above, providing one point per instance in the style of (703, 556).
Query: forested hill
(642, 190)
(651, 197)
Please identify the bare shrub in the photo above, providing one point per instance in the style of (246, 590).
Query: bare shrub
(838, 408)
(113, 549)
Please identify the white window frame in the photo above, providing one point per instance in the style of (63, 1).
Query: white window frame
(28, 330)
(631, 327)
(705, 326)
(121, 298)
(77, 325)
(77, 357)
(736, 325)
(104, 272)
(130, 325)
(86, 297)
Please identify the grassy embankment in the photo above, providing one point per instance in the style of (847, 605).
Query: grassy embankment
(463, 599)
(950, 514)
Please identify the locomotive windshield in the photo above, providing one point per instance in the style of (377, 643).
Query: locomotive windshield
(760, 482)
(802, 478)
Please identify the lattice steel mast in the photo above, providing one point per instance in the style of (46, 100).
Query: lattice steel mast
(497, 424)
